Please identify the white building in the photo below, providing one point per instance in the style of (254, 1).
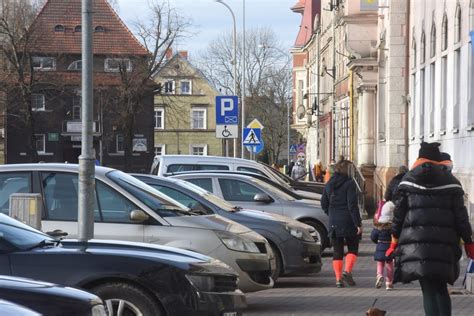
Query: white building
(441, 83)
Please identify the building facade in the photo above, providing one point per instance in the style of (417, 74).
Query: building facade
(56, 96)
(185, 110)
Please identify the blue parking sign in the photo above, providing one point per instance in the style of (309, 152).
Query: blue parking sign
(227, 110)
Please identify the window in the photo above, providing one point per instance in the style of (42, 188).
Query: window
(12, 183)
(76, 65)
(422, 103)
(181, 198)
(206, 184)
(114, 207)
(119, 144)
(61, 196)
(185, 87)
(169, 87)
(118, 64)
(44, 63)
(413, 47)
(422, 48)
(456, 88)
(78, 28)
(251, 170)
(159, 118)
(432, 97)
(59, 28)
(76, 107)
(38, 102)
(457, 25)
(235, 190)
(199, 150)
(40, 143)
(433, 40)
(300, 92)
(198, 118)
(444, 92)
(412, 105)
(191, 167)
(99, 29)
(160, 149)
(444, 33)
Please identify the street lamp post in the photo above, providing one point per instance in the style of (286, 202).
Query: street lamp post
(234, 63)
(243, 80)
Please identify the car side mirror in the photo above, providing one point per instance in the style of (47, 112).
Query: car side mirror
(57, 233)
(139, 216)
(262, 198)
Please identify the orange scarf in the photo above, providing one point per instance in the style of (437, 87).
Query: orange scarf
(421, 161)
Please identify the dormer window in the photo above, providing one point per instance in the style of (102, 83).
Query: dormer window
(76, 65)
(44, 63)
(59, 28)
(118, 64)
(78, 29)
(99, 29)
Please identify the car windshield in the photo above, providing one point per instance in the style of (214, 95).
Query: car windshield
(19, 235)
(226, 206)
(278, 176)
(273, 190)
(151, 197)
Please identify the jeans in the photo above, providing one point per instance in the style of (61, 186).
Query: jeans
(436, 300)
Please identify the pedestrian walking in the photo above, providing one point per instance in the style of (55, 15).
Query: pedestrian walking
(290, 167)
(298, 172)
(381, 235)
(339, 201)
(390, 193)
(429, 220)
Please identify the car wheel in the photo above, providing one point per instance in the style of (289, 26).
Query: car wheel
(320, 232)
(126, 299)
(278, 263)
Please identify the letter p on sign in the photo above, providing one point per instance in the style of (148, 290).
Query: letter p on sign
(227, 105)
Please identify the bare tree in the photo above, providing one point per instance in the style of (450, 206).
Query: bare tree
(268, 80)
(157, 33)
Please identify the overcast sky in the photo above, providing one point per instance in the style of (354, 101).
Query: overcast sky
(211, 19)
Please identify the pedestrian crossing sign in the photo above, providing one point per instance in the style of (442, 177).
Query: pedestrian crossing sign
(252, 136)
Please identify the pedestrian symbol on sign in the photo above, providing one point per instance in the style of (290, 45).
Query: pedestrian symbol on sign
(251, 137)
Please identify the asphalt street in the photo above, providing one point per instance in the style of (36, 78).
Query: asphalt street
(317, 294)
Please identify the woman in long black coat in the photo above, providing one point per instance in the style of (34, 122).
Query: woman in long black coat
(429, 220)
(340, 202)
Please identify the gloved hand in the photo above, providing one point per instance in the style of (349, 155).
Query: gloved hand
(469, 250)
(393, 246)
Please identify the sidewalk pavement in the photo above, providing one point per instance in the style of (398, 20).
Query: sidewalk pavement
(317, 294)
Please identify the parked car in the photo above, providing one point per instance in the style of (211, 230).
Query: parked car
(249, 192)
(128, 209)
(131, 278)
(292, 242)
(11, 309)
(164, 165)
(50, 299)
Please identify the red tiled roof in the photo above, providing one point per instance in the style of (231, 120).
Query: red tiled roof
(116, 40)
(299, 6)
(311, 9)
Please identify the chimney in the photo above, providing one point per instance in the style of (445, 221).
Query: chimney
(183, 54)
(169, 53)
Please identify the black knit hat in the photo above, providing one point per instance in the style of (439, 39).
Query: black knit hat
(430, 151)
(445, 156)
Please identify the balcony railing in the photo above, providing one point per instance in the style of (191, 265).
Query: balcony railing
(75, 127)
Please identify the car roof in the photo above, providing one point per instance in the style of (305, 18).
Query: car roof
(213, 174)
(65, 167)
(194, 158)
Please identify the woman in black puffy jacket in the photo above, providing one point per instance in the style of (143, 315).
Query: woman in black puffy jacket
(339, 201)
(429, 220)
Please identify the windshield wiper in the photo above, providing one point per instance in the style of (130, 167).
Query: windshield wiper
(45, 243)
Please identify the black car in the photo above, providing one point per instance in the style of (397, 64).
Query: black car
(11, 309)
(136, 278)
(49, 299)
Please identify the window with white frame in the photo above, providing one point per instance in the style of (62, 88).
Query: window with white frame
(422, 104)
(444, 33)
(422, 48)
(432, 97)
(44, 63)
(118, 64)
(119, 143)
(413, 47)
(198, 150)
(444, 93)
(456, 88)
(160, 149)
(433, 40)
(185, 87)
(457, 25)
(198, 118)
(38, 102)
(168, 87)
(412, 105)
(159, 118)
(40, 143)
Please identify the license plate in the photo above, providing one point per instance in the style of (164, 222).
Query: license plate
(229, 314)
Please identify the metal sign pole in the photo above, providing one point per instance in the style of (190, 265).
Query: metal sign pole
(87, 157)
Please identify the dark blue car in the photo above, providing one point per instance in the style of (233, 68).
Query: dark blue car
(131, 278)
(293, 243)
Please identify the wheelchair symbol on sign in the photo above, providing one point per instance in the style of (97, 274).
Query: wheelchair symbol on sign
(225, 132)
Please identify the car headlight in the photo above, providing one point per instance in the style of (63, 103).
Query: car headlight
(299, 233)
(99, 310)
(237, 243)
(204, 283)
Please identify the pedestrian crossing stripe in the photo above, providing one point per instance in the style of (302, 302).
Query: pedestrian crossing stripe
(251, 138)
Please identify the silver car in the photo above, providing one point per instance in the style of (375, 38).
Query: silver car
(252, 193)
(128, 209)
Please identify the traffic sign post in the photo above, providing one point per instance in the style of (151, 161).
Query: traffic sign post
(227, 119)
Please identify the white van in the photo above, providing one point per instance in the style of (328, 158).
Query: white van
(165, 165)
